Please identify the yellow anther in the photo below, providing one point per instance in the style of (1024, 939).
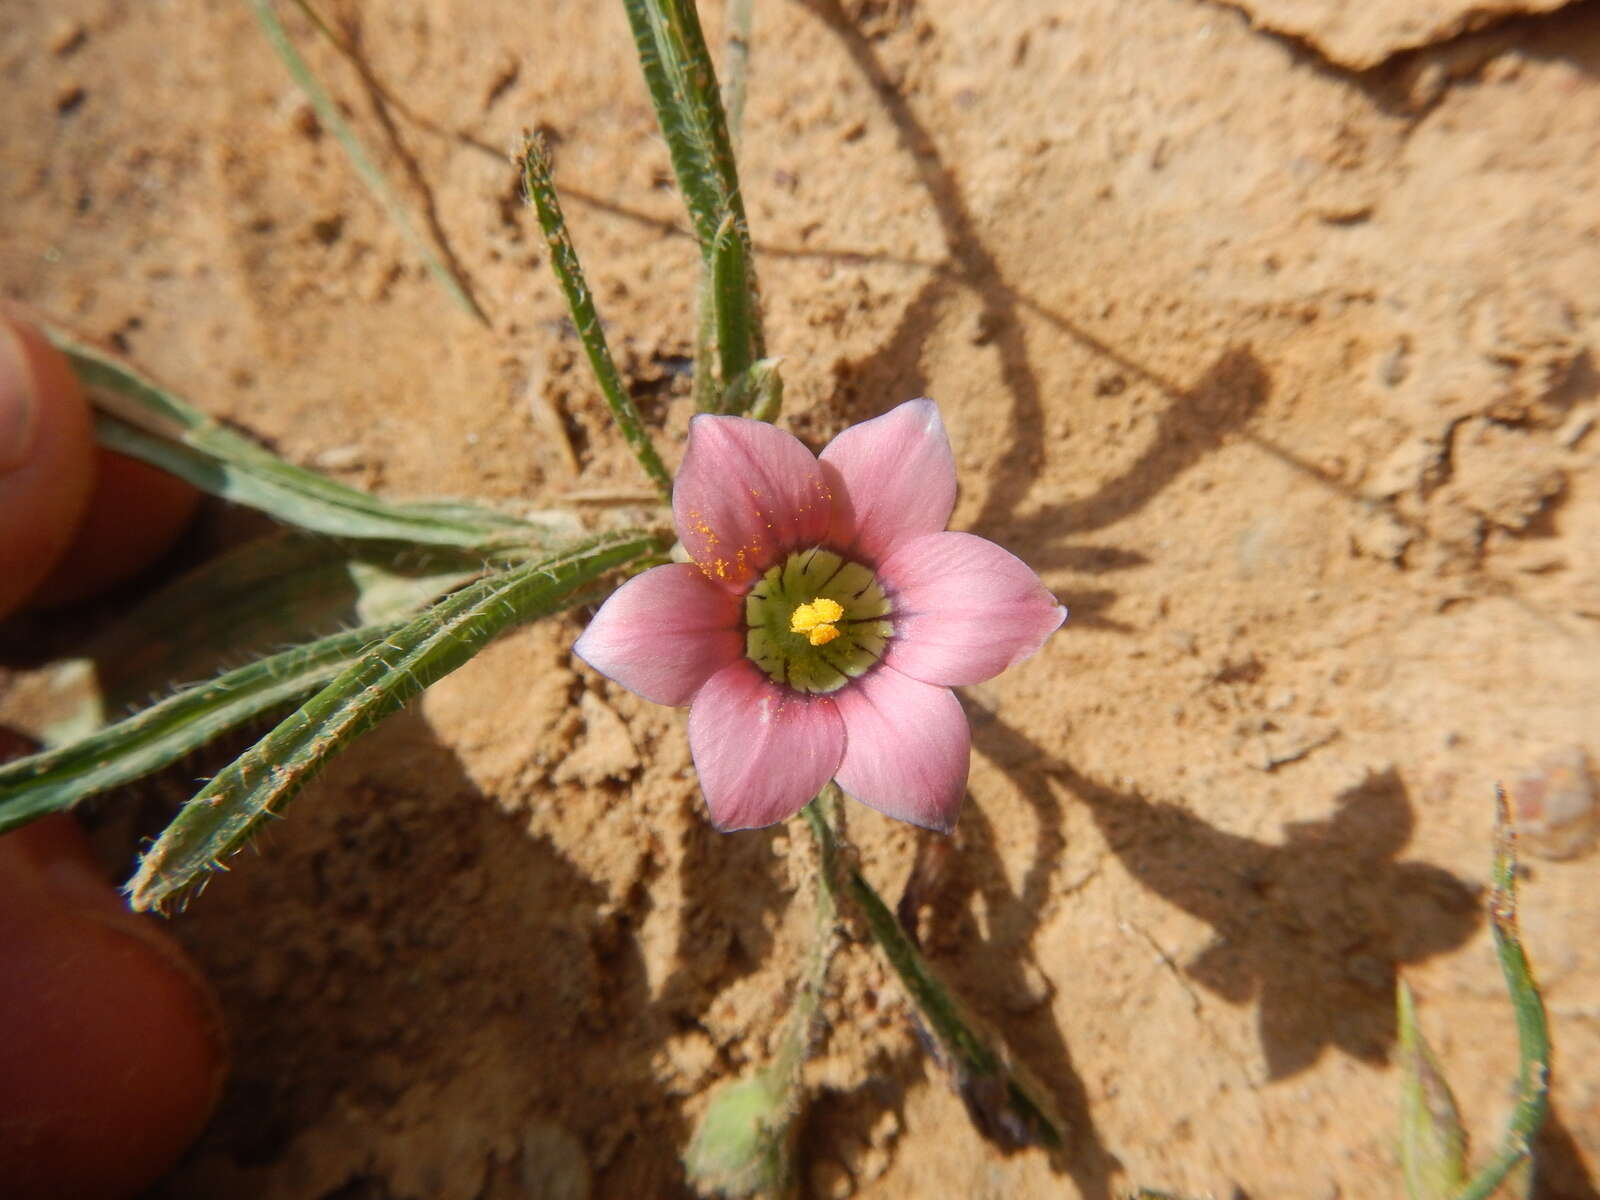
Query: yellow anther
(816, 619)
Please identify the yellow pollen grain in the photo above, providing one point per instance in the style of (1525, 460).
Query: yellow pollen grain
(815, 620)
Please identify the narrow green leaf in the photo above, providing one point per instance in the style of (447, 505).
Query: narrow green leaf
(732, 298)
(999, 1093)
(328, 113)
(1433, 1145)
(539, 188)
(224, 814)
(137, 417)
(280, 590)
(165, 732)
(1533, 1030)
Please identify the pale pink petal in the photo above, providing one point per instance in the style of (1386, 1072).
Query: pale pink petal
(907, 747)
(747, 494)
(964, 609)
(894, 478)
(761, 750)
(664, 633)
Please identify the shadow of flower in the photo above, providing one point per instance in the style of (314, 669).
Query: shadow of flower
(1312, 930)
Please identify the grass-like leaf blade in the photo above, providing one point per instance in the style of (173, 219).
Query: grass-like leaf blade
(1533, 1029)
(1433, 1145)
(224, 814)
(539, 188)
(165, 732)
(272, 592)
(139, 418)
(328, 113)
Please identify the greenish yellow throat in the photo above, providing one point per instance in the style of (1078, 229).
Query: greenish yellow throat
(816, 621)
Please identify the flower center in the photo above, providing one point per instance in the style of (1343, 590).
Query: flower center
(816, 621)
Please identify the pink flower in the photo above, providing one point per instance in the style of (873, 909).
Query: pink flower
(824, 619)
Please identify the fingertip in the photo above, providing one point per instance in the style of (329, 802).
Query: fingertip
(134, 515)
(114, 1054)
(46, 459)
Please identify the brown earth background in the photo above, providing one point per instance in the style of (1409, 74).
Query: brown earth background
(1266, 331)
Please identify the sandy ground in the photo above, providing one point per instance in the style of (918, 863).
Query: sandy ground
(1266, 333)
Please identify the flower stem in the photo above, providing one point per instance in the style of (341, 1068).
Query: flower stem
(744, 1145)
(1017, 1108)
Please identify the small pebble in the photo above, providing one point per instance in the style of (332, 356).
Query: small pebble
(1555, 807)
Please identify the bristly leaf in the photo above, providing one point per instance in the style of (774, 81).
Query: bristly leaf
(1533, 1030)
(328, 113)
(229, 810)
(137, 417)
(1433, 1146)
(683, 91)
(181, 724)
(708, 387)
(539, 188)
(680, 24)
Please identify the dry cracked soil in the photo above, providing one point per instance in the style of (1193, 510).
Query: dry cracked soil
(1265, 330)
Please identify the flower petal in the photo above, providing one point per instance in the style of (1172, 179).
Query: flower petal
(907, 748)
(898, 475)
(664, 633)
(761, 750)
(747, 493)
(964, 609)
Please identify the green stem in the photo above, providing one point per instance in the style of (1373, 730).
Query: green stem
(733, 298)
(795, 1044)
(955, 1031)
(708, 391)
(540, 190)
